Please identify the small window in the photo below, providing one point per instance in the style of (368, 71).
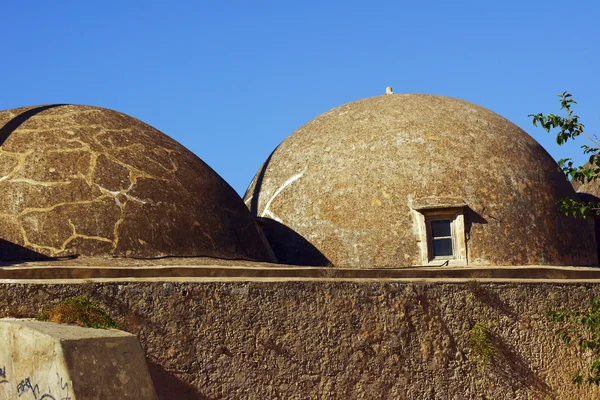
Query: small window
(441, 238)
(441, 232)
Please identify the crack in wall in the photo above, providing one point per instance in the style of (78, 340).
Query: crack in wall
(95, 148)
(292, 179)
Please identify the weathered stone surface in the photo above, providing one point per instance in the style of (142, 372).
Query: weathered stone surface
(344, 185)
(589, 191)
(338, 340)
(77, 180)
(41, 360)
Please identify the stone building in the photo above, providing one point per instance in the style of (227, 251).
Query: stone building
(86, 181)
(298, 293)
(400, 180)
(387, 181)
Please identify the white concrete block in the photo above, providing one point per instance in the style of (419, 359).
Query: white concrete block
(43, 360)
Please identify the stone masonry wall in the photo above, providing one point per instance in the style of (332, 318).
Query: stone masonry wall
(338, 340)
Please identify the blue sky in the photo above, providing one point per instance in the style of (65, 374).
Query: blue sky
(231, 79)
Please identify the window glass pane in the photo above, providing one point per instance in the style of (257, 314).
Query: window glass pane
(442, 247)
(440, 228)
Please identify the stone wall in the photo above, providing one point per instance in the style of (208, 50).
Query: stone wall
(308, 340)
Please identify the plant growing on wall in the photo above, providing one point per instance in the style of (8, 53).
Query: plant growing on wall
(582, 328)
(579, 327)
(480, 341)
(80, 311)
(568, 127)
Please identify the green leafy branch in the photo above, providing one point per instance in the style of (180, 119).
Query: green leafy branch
(569, 128)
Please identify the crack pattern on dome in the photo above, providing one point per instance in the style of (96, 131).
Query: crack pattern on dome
(134, 174)
(74, 177)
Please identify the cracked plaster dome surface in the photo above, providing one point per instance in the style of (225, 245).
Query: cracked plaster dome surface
(345, 187)
(78, 180)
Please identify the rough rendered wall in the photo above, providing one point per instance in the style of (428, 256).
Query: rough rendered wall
(308, 340)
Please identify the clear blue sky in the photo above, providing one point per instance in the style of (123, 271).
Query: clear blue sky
(231, 80)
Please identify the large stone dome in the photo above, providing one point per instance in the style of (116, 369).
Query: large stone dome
(415, 179)
(78, 180)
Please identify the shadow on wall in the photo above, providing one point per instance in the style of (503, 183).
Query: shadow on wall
(293, 249)
(258, 185)
(14, 123)
(472, 217)
(590, 198)
(11, 253)
(168, 386)
(510, 366)
(290, 247)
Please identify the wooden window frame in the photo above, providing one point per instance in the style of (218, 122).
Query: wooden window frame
(430, 238)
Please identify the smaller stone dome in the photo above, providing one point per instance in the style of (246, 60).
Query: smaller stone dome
(79, 180)
(589, 191)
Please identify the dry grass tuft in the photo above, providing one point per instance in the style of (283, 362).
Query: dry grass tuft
(79, 311)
